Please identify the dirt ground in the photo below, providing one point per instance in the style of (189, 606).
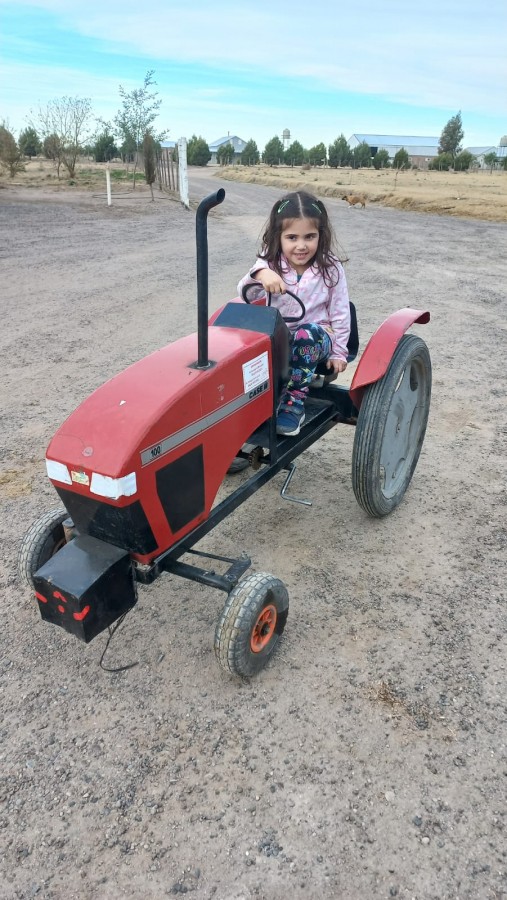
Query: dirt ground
(368, 760)
(476, 194)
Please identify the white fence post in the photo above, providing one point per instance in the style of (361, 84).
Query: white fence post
(182, 163)
(108, 185)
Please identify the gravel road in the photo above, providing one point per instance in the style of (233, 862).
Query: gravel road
(368, 760)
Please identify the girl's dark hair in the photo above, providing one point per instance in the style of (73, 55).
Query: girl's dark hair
(301, 205)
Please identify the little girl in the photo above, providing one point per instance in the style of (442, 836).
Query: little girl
(297, 255)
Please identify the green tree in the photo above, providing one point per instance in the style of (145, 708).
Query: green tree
(340, 153)
(317, 155)
(104, 148)
(295, 154)
(150, 167)
(442, 163)
(138, 112)
(67, 119)
(491, 160)
(463, 161)
(11, 156)
(361, 156)
(250, 155)
(504, 163)
(401, 160)
(128, 149)
(29, 142)
(225, 154)
(381, 159)
(451, 137)
(273, 152)
(198, 152)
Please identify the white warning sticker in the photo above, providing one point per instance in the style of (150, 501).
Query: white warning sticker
(255, 372)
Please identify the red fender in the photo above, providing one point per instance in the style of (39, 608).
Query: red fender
(379, 350)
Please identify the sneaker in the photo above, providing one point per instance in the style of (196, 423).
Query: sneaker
(290, 417)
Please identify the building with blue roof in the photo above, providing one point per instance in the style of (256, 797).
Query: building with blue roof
(421, 150)
(238, 143)
(481, 152)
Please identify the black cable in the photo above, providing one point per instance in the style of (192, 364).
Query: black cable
(112, 630)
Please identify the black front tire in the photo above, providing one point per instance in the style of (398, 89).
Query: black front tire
(390, 428)
(42, 540)
(251, 624)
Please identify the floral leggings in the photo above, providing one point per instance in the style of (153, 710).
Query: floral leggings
(310, 344)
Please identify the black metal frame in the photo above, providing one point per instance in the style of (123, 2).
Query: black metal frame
(327, 407)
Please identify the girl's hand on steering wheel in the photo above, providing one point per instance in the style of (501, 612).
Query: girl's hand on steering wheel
(337, 365)
(271, 282)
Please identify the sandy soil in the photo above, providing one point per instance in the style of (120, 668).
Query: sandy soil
(368, 760)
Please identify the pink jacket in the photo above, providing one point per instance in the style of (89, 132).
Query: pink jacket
(325, 306)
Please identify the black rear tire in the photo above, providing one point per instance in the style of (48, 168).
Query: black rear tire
(42, 540)
(390, 429)
(252, 621)
(237, 465)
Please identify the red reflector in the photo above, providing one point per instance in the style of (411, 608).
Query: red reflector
(81, 615)
(40, 598)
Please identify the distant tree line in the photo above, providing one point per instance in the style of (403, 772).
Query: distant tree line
(62, 132)
(339, 153)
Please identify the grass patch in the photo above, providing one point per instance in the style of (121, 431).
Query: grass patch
(123, 175)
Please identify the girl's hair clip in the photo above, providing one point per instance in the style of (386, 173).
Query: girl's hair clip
(315, 206)
(282, 206)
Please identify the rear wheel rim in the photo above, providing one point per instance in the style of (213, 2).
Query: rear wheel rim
(264, 629)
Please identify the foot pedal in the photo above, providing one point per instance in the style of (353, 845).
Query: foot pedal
(290, 470)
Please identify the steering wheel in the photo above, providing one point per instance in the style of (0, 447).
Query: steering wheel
(244, 295)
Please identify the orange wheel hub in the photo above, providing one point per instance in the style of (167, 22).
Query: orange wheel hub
(263, 629)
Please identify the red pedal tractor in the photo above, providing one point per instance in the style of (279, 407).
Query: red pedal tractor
(138, 465)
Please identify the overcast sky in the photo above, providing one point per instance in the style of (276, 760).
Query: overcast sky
(254, 69)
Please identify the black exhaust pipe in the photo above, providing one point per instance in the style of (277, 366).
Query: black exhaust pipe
(201, 236)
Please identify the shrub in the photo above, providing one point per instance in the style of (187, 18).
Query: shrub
(463, 161)
(105, 148)
(381, 159)
(198, 152)
(11, 156)
(250, 155)
(401, 160)
(29, 142)
(442, 163)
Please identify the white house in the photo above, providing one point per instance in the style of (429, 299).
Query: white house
(238, 143)
(481, 152)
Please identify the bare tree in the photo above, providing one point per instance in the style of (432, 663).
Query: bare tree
(52, 149)
(65, 119)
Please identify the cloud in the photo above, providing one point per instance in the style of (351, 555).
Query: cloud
(437, 54)
(219, 66)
